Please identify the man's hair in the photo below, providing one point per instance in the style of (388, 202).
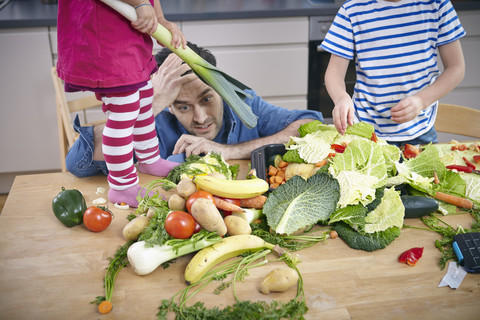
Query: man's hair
(202, 52)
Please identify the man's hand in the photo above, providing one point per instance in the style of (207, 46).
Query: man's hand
(190, 144)
(168, 81)
(407, 109)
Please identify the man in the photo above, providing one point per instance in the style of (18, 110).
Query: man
(191, 118)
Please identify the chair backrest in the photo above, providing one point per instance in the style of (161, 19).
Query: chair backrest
(458, 120)
(65, 108)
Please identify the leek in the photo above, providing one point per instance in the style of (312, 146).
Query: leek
(230, 89)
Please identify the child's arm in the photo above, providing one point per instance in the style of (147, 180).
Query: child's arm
(335, 83)
(177, 36)
(454, 71)
(146, 19)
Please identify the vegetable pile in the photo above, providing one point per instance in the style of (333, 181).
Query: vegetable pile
(355, 186)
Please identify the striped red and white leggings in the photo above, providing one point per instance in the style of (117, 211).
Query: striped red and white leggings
(130, 126)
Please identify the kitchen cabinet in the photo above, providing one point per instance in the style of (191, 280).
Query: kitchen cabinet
(269, 55)
(467, 92)
(28, 122)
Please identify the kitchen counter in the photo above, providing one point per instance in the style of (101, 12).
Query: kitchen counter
(49, 271)
(33, 13)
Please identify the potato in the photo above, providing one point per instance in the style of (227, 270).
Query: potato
(279, 280)
(236, 225)
(208, 216)
(176, 202)
(305, 170)
(185, 188)
(136, 226)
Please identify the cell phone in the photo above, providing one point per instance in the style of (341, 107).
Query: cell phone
(467, 249)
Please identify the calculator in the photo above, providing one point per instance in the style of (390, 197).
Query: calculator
(467, 248)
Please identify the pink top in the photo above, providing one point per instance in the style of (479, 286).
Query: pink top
(98, 48)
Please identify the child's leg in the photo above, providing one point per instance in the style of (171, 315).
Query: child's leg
(145, 141)
(122, 111)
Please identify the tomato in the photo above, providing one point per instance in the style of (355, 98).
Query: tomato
(198, 228)
(180, 225)
(198, 194)
(234, 201)
(410, 151)
(97, 218)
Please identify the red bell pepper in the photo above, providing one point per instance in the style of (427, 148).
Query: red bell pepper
(457, 167)
(411, 256)
(476, 158)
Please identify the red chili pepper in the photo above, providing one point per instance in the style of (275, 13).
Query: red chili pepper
(411, 256)
(338, 148)
(468, 163)
(460, 168)
(476, 158)
(374, 137)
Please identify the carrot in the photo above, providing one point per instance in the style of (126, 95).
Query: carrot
(272, 171)
(274, 185)
(457, 201)
(435, 178)
(282, 164)
(255, 202)
(321, 163)
(226, 206)
(105, 307)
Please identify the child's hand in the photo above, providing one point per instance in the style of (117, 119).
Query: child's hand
(146, 19)
(177, 36)
(407, 109)
(343, 115)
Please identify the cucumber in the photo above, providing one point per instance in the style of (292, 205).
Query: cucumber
(418, 206)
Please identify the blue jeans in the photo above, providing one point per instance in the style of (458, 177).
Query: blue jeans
(426, 138)
(79, 160)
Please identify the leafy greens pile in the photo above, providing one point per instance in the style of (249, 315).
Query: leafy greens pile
(348, 192)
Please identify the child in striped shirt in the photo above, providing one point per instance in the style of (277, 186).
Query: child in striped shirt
(395, 45)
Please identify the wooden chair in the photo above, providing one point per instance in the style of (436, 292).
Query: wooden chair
(458, 120)
(66, 109)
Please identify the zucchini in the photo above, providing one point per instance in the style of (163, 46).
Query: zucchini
(418, 206)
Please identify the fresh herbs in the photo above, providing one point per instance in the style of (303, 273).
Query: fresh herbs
(294, 309)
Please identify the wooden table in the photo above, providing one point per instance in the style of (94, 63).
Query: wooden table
(48, 271)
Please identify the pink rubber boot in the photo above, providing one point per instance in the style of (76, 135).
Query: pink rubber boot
(159, 168)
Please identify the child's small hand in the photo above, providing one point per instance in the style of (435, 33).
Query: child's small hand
(343, 115)
(147, 21)
(407, 109)
(178, 39)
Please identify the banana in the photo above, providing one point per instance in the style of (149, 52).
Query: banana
(236, 189)
(227, 248)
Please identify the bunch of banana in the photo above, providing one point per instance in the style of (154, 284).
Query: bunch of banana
(227, 248)
(236, 189)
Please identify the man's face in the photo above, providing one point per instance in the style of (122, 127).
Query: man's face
(199, 109)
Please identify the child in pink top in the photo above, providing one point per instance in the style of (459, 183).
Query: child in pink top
(101, 51)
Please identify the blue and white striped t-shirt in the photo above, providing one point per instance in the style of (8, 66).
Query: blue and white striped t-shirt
(395, 49)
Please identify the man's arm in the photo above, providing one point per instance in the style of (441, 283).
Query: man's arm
(190, 144)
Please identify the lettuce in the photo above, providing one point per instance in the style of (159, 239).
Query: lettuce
(360, 169)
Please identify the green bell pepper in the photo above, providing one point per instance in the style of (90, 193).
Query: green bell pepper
(69, 207)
